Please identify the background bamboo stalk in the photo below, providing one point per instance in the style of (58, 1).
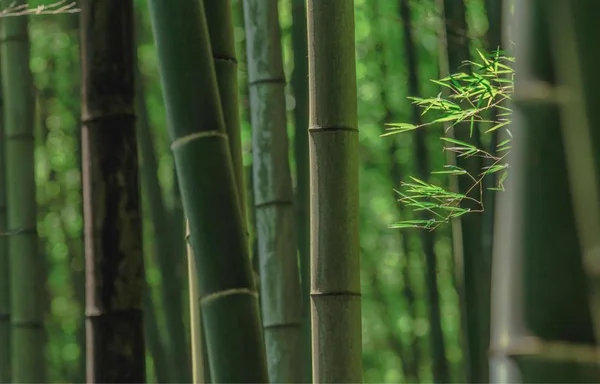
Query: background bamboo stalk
(26, 284)
(333, 143)
(273, 195)
(113, 233)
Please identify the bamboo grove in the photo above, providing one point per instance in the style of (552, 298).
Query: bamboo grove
(297, 191)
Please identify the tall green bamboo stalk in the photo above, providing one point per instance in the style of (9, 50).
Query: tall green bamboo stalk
(163, 246)
(333, 145)
(273, 194)
(222, 41)
(209, 193)
(26, 345)
(542, 326)
(441, 373)
(474, 270)
(198, 374)
(4, 265)
(221, 33)
(114, 260)
(299, 82)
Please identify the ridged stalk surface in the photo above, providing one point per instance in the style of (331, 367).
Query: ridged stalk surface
(333, 154)
(273, 194)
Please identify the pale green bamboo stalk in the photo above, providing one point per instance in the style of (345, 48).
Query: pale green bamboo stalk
(273, 194)
(27, 350)
(333, 145)
(195, 316)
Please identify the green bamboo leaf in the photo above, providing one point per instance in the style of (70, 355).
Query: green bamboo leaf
(503, 143)
(410, 224)
(456, 173)
(458, 142)
(498, 126)
(456, 209)
(493, 169)
(485, 60)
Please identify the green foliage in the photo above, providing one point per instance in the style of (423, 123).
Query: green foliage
(475, 100)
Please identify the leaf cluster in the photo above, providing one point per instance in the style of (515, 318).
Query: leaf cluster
(467, 99)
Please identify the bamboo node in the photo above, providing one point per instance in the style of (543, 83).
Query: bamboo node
(315, 293)
(196, 135)
(331, 128)
(228, 292)
(531, 346)
(268, 80)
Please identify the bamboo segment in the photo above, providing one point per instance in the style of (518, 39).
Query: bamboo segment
(220, 30)
(273, 195)
(209, 194)
(26, 334)
(299, 82)
(113, 233)
(333, 145)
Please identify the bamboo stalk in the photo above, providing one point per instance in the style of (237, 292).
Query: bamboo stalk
(273, 195)
(26, 335)
(333, 144)
(209, 192)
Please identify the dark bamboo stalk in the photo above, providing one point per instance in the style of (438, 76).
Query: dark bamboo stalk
(114, 260)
